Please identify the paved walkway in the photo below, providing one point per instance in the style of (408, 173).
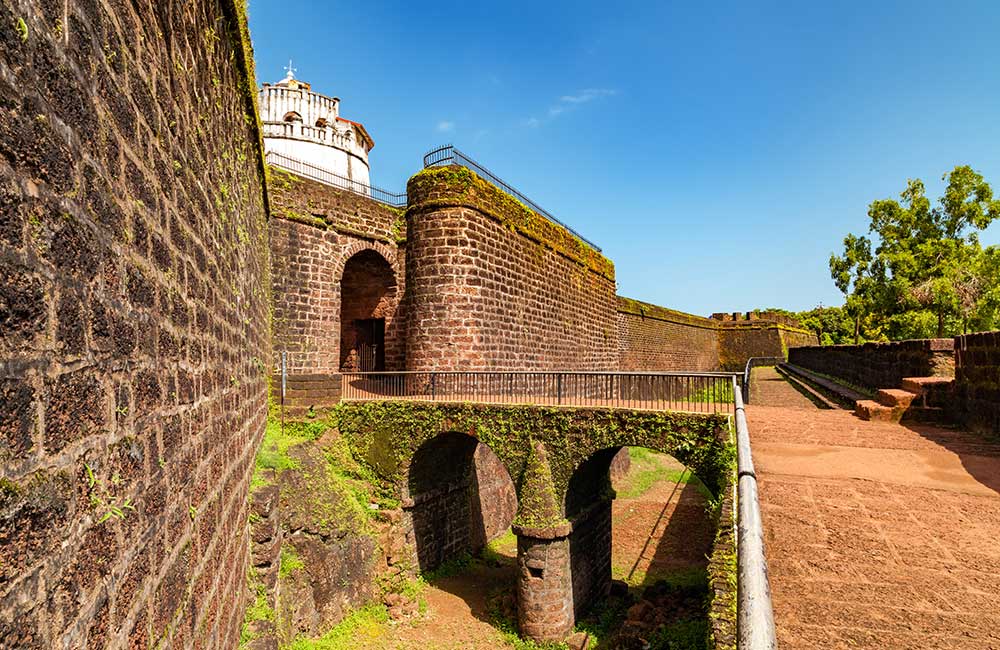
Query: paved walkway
(879, 535)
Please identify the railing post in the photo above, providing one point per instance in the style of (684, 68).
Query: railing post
(433, 386)
(559, 379)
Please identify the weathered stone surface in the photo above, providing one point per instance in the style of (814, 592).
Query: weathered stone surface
(334, 544)
(131, 200)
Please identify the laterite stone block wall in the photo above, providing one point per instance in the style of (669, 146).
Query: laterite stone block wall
(879, 365)
(977, 381)
(133, 322)
(655, 338)
(316, 230)
(494, 286)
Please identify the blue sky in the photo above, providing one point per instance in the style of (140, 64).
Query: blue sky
(718, 154)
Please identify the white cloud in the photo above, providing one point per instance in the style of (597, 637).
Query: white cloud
(568, 103)
(445, 126)
(587, 95)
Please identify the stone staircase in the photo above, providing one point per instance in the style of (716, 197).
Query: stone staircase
(921, 399)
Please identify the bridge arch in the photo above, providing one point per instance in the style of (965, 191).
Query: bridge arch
(541, 448)
(458, 495)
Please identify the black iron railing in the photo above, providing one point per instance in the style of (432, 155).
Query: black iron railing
(449, 155)
(327, 177)
(695, 392)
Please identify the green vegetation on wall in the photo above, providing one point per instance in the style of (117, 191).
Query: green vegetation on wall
(455, 186)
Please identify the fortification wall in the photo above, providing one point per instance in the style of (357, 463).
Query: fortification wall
(655, 338)
(492, 285)
(316, 230)
(977, 381)
(133, 322)
(879, 365)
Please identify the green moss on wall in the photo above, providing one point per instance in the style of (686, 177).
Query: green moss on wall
(455, 186)
(387, 434)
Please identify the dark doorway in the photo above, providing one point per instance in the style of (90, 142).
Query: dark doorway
(369, 335)
(367, 307)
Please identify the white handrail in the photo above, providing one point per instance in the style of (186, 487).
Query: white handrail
(754, 612)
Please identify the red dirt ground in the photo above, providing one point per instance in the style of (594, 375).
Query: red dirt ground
(879, 535)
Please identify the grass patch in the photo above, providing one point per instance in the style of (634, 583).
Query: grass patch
(502, 550)
(691, 634)
(273, 452)
(290, 561)
(365, 624)
(603, 620)
(649, 468)
(259, 609)
(720, 393)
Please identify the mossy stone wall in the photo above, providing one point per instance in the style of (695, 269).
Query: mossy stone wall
(134, 331)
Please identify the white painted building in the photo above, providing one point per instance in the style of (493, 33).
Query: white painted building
(305, 126)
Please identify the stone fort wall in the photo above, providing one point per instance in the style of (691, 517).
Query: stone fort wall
(494, 286)
(655, 338)
(133, 322)
(314, 231)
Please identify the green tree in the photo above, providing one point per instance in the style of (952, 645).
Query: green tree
(927, 266)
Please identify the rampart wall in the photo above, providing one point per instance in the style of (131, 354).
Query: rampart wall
(977, 381)
(655, 338)
(879, 365)
(133, 322)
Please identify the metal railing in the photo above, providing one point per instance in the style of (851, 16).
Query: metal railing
(327, 177)
(756, 362)
(754, 612)
(449, 155)
(693, 392)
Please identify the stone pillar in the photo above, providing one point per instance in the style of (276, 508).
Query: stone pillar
(544, 583)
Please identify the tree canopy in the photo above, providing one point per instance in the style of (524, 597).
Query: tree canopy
(921, 270)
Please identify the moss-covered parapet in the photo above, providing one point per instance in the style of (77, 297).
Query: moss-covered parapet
(648, 310)
(528, 438)
(456, 186)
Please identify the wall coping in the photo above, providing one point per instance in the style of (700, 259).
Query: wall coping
(648, 310)
(454, 186)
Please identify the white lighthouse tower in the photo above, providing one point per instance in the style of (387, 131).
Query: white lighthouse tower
(305, 127)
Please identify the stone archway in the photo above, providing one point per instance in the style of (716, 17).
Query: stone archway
(368, 302)
(458, 496)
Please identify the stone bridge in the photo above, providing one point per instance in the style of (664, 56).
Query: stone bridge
(557, 459)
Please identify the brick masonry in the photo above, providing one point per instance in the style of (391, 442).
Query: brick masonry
(485, 295)
(317, 229)
(133, 322)
(656, 338)
(879, 365)
(458, 497)
(977, 381)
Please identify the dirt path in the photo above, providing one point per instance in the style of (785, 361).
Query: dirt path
(879, 535)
